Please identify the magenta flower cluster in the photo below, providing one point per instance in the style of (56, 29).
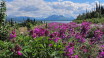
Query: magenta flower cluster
(13, 34)
(62, 32)
(37, 32)
(16, 50)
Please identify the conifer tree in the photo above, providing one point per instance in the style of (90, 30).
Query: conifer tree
(98, 12)
(2, 12)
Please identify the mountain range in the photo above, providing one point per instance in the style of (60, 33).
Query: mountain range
(50, 18)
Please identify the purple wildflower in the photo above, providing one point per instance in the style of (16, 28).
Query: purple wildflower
(13, 35)
(69, 51)
(19, 53)
(98, 34)
(56, 39)
(75, 56)
(85, 27)
(50, 45)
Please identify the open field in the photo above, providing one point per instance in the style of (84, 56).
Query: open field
(55, 40)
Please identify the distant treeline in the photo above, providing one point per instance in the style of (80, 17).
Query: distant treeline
(26, 22)
(98, 12)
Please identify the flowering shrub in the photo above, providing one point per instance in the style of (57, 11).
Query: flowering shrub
(70, 40)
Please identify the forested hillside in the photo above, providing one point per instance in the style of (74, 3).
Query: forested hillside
(95, 16)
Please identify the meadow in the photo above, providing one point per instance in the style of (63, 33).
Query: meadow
(53, 40)
(80, 38)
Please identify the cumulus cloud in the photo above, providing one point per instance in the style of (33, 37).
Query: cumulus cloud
(41, 8)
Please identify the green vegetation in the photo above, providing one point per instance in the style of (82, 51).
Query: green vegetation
(93, 20)
(2, 11)
(34, 39)
(94, 16)
(7, 26)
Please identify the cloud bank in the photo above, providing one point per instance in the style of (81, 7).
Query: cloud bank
(41, 8)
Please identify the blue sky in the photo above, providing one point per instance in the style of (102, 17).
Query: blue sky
(9, 0)
(45, 8)
(78, 1)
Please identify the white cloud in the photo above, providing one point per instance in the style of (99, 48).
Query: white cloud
(41, 8)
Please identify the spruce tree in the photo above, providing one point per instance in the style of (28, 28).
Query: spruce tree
(2, 12)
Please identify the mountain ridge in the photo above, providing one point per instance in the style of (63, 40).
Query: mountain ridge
(50, 18)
